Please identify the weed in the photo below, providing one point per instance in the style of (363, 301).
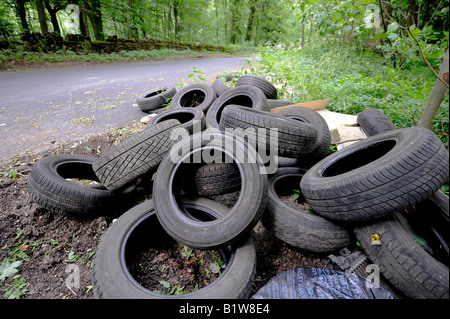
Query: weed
(196, 74)
(16, 289)
(83, 120)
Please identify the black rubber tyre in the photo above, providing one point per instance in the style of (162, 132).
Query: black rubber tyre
(374, 121)
(138, 228)
(278, 103)
(217, 179)
(137, 155)
(197, 96)
(269, 90)
(219, 87)
(432, 219)
(48, 186)
(156, 99)
(294, 138)
(244, 95)
(190, 119)
(377, 176)
(402, 261)
(181, 164)
(321, 146)
(296, 227)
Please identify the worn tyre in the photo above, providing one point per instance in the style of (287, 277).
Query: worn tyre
(269, 90)
(138, 229)
(374, 121)
(219, 87)
(321, 146)
(217, 178)
(299, 227)
(50, 187)
(294, 138)
(244, 95)
(177, 167)
(198, 96)
(402, 261)
(190, 119)
(273, 104)
(156, 99)
(137, 155)
(377, 176)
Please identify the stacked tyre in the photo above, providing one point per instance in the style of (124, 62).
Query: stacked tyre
(216, 141)
(387, 188)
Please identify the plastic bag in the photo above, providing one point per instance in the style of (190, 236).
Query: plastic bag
(317, 283)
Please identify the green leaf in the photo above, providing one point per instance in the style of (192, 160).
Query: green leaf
(393, 36)
(7, 268)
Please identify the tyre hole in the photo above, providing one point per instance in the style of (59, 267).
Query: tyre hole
(159, 264)
(192, 98)
(182, 117)
(242, 100)
(154, 93)
(184, 178)
(79, 173)
(358, 159)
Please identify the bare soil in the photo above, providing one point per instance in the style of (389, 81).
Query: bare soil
(53, 246)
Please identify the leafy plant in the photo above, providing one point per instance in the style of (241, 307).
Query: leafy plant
(196, 74)
(16, 289)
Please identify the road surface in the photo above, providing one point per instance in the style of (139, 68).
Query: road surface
(40, 109)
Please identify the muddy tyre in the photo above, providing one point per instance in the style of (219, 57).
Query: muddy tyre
(321, 146)
(156, 99)
(217, 178)
(298, 227)
(137, 155)
(377, 176)
(244, 95)
(49, 186)
(190, 119)
(198, 96)
(174, 171)
(402, 261)
(294, 138)
(139, 226)
(269, 90)
(219, 87)
(374, 121)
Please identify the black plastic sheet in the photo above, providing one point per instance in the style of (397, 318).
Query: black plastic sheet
(317, 283)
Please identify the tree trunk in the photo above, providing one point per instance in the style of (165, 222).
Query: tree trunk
(94, 12)
(437, 95)
(311, 26)
(53, 19)
(175, 16)
(234, 21)
(41, 16)
(21, 12)
(84, 27)
(251, 20)
(411, 15)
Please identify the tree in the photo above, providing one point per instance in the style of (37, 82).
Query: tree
(437, 95)
(41, 15)
(53, 7)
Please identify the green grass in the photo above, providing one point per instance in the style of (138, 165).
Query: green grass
(11, 57)
(354, 80)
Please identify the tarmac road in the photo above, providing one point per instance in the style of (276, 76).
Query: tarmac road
(40, 109)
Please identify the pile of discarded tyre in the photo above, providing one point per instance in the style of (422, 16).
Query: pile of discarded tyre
(376, 191)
